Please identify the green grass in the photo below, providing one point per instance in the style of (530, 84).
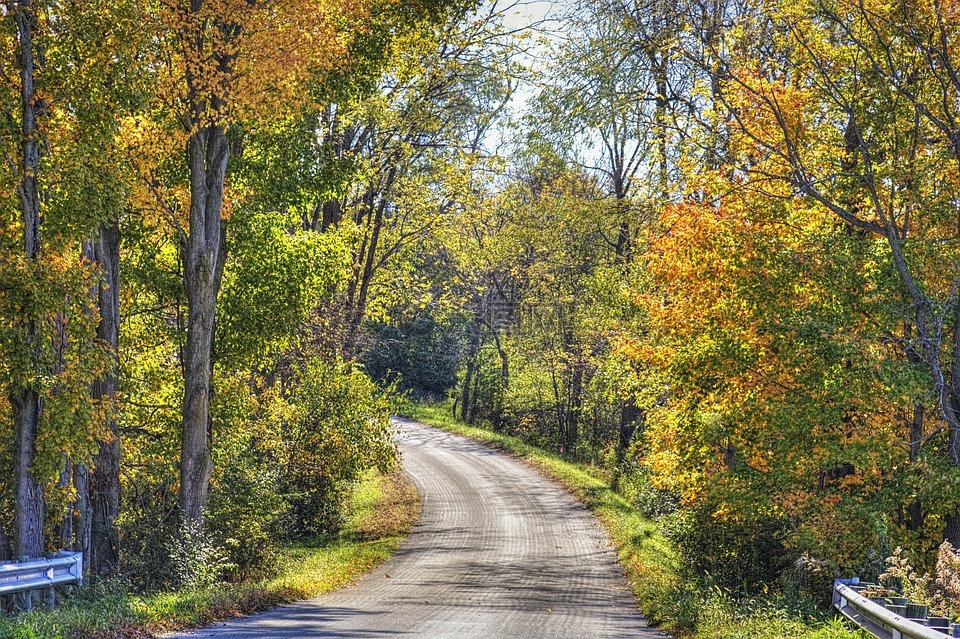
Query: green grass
(665, 593)
(384, 508)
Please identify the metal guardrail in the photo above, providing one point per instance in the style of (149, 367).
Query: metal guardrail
(877, 619)
(36, 574)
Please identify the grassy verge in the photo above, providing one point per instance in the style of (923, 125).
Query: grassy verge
(667, 595)
(384, 509)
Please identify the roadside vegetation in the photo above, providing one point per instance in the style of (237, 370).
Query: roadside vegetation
(669, 593)
(382, 510)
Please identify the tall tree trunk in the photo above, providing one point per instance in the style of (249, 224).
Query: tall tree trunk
(104, 479)
(497, 407)
(467, 387)
(204, 256)
(630, 416)
(574, 407)
(366, 266)
(82, 514)
(570, 423)
(66, 521)
(466, 408)
(623, 239)
(951, 531)
(504, 358)
(359, 310)
(331, 213)
(658, 61)
(472, 408)
(26, 402)
(915, 512)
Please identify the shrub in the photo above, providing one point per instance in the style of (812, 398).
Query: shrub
(739, 556)
(196, 561)
(421, 355)
(247, 505)
(340, 429)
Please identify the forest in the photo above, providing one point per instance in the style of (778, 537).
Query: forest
(710, 248)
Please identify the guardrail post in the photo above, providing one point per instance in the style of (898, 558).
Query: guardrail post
(23, 600)
(77, 570)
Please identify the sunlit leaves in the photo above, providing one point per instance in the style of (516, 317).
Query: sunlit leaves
(275, 280)
(221, 61)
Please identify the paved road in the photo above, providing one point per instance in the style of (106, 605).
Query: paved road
(499, 552)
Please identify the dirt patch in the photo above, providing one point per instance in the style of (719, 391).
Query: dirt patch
(395, 512)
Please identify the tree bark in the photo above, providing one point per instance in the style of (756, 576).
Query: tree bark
(954, 395)
(629, 414)
(204, 256)
(472, 409)
(915, 512)
(66, 521)
(81, 513)
(466, 406)
(331, 215)
(504, 357)
(467, 388)
(26, 403)
(104, 478)
(366, 265)
(951, 530)
(575, 406)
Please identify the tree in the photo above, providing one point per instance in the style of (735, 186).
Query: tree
(873, 157)
(411, 143)
(61, 171)
(798, 321)
(225, 63)
(25, 400)
(104, 480)
(616, 103)
(97, 176)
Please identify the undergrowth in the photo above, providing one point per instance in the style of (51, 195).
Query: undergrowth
(384, 508)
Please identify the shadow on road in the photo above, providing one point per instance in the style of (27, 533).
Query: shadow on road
(298, 621)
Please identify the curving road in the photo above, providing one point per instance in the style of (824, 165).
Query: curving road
(499, 551)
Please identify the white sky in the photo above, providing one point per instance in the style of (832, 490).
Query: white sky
(527, 12)
(542, 17)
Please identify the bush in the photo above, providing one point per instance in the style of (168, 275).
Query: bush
(632, 481)
(247, 505)
(340, 429)
(738, 556)
(196, 561)
(246, 512)
(941, 591)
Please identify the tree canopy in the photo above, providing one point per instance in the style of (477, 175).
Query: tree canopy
(711, 248)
